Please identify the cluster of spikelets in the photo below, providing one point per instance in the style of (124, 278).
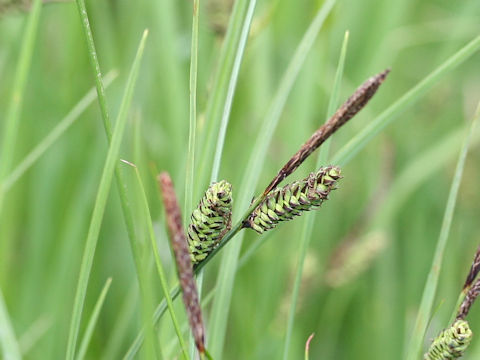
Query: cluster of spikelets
(210, 220)
(451, 343)
(284, 203)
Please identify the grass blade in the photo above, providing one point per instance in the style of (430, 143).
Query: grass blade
(224, 83)
(189, 173)
(12, 120)
(82, 351)
(227, 106)
(34, 333)
(121, 183)
(122, 322)
(55, 134)
(415, 348)
(100, 203)
(228, 266)
(10, 347)
(309, 221)
(12, 117)
(348, 151)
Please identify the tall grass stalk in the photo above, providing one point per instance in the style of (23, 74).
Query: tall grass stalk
(12, 117)
(121, 183)
(227, 106)
(10, 347)
(225, 79)
(190, 170)
(309, 221)
(225, 281)
(100, 202)
(82, 350)
(415, 348)
(158, 261)
(12, 121)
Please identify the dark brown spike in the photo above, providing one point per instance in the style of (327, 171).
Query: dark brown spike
(468, 301)
(352, 106)
(473, 270)
(182, 258)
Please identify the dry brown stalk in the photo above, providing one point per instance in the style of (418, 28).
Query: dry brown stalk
(473, 270)
(352, 106)
(469, 299)
(182, 258)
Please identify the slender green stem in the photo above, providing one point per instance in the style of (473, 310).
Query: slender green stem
(227, 106)
(119, 177)
(309, 221)
(216, 106)
(8, 340)
(100, 203)
(82, 350)
(12, 117)
(228, 265)
(158, 261)
(121, 183)
(10, 347)
(415, 348)
(190, 171)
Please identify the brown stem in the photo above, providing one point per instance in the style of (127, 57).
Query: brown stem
(473, 270)
(182, 258)
(353, 105)
(469, 300)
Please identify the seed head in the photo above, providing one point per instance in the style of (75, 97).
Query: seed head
(210, 220)
(451, 343)
(284, 203)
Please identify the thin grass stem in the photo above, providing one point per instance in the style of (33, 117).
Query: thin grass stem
(415, 348)
(158, 262)
(82, 350)
(309, 221)
(101, 201)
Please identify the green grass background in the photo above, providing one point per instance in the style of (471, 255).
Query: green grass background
(46, 214)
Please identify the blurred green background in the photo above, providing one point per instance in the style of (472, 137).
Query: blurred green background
(369, 316)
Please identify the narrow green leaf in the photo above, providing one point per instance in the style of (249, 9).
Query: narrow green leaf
(82, 351)
(227, 106)
(309, 221)
(10, 348)
(218, 107)
(100, 202)
(55, 134)
(415, 348)
(190, 171)
(8, 341)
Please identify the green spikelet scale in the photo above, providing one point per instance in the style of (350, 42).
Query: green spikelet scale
(451, 343)
(210, 220)
(292, 200)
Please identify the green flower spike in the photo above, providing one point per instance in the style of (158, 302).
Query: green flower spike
(451, 343)
(210, 221)
(284, 203)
